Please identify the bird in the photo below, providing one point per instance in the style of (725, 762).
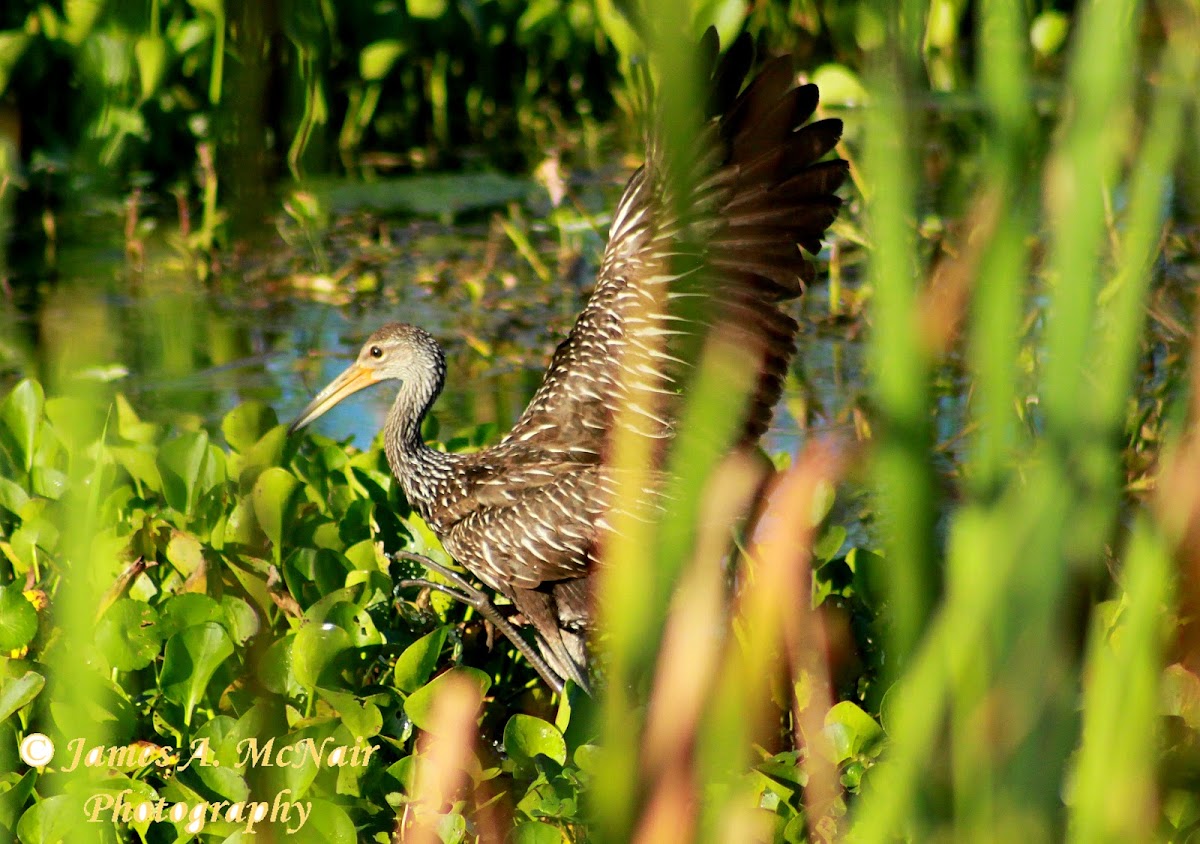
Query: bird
(707, 237)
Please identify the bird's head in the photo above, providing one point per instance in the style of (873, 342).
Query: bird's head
(395, 352)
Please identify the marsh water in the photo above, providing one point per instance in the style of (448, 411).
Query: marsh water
(275, 320)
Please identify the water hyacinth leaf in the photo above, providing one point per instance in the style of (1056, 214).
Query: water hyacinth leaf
(418, 660)
(128, 635)
(377, 60)
(20, 419)
(49, 821)
(241, 620)
(268, 451)
(12, 497)
(316, 645)
(328, 823)
(357, 622)
(12, 801)
(76, 422)
(246, 424)
(271, 495)
(278, 675)
(141, 462)
(184, 552)
(852, 731)
(527, 737)
(132, 428)
(191, 659)
(180, 462)
(18, 619)
(363, 720)
(16, 694)
(536, 832)
(420, 704)
(189, 609)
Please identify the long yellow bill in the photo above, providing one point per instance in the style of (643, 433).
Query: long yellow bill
(355, 378)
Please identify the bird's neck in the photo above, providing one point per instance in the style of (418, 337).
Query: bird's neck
(420, 469)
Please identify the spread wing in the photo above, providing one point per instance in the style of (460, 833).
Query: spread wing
(713, 239)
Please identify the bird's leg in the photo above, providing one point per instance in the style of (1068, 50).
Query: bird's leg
(472, 597)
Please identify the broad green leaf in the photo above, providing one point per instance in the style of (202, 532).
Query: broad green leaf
(851, 731)
(130, 427)
(241, 620)
(418, 660)
(271, 495)
(184, 552)
(75, 421)
(191, 659)
(328, 824)
(20, 417)
(536, 832)
(141, 462)
(180, 461)
(420, 704)
(527, 737)
(246, 424)
(12, 496)
(18, 619)
(13, 801)
(362, 718)
(15, 694)
(316, 645)
(49, 821)
(128, 635)
(189, 609)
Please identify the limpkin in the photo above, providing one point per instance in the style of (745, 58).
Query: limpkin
(527, 515)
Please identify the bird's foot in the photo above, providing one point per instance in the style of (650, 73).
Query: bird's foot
(462, 590)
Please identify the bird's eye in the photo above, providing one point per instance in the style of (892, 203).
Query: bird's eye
(376, 352)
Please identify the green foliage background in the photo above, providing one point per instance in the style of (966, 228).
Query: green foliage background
(1023, 662)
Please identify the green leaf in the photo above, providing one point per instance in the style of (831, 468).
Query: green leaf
(51, 820)
(16, 694)
(13, 801)
(189, 609)
(316, 645)
(12, 496)
(536, 832)
(327, 824)
(18, 619)
(184, 552)
(851, 731)
(128, 635)
(20, 417)
(247, 423)
(271, 495)
(416, 664)
(180, 462)
(419, 705)
(527, 737)
(191, 659)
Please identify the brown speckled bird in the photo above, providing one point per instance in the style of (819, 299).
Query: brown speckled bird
(710, 240)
